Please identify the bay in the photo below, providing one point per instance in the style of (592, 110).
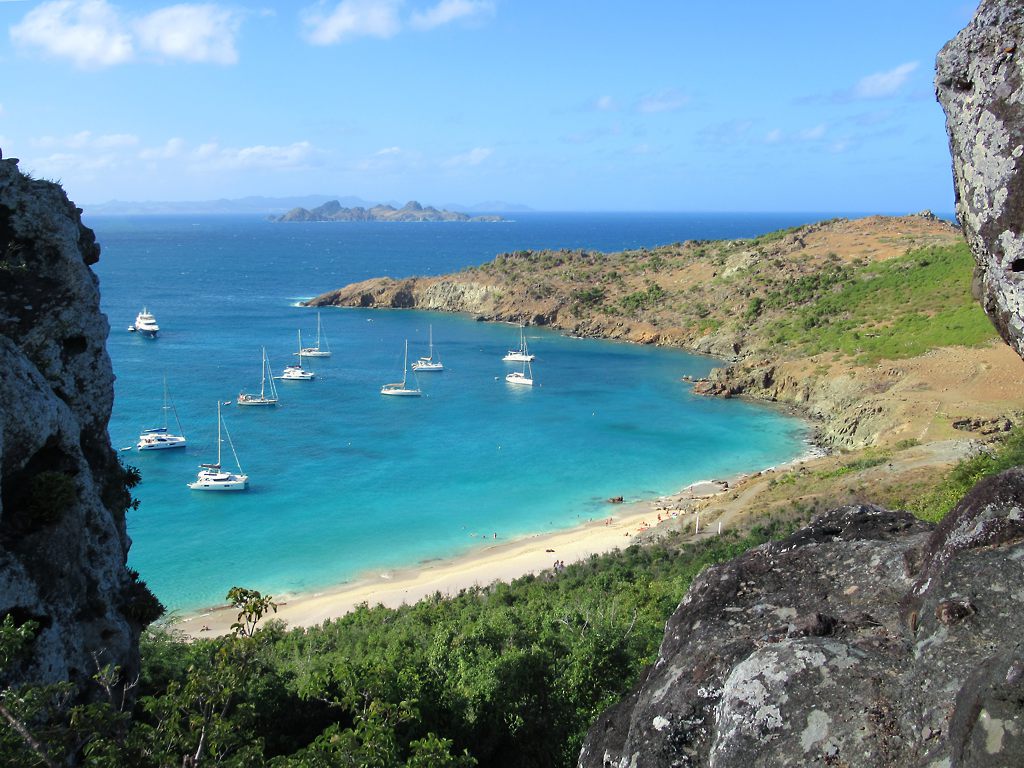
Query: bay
(344, 481)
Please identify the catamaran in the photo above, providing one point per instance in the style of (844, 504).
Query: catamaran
(523, 377)
(213, 477)
(264, 397)
(316, 351)
(428, 363)
(296, 372)
(521, 355)
(399, 388)
(159, 438)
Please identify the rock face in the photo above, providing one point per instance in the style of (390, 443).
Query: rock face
(411, 211)
(865, 639)
(980, 83)
(63, 493)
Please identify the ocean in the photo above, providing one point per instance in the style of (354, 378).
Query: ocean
(346, 482)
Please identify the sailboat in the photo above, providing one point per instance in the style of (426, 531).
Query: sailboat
(521, 355)
(159, 438)
(264, 397)
(316, 351)
(296, 372)
(399, 388)
(524, 377)
(212, 477)
(428, 363)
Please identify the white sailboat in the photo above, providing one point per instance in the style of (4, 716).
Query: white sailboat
(399, 388)
(316, 351)
(428, 363)
(264, 397)
(160, 438)
(213, 477)
(524, 377)
(521, 355)
(296, 372)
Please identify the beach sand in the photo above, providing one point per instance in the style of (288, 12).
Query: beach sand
(498, 561)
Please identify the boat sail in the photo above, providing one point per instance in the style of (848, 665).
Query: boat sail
(316, 351)
(521, 355)
(524, 377)
(264, 397)
(160, 438)
(428, 363)
(296, 372)
(399, 388)
(213, 477)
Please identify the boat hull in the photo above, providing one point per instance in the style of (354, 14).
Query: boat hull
(221, 481)
(519, 379)
(161, 445)
(400, 392)
(256, 402)
(518, 357)
(422, 366)
(313, 353)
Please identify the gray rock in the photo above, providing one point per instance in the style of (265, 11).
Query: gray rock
(868, 638)
(63, 543)
(980, 83)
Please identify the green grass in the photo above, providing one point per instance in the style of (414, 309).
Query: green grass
(895, 309)
(939, 502)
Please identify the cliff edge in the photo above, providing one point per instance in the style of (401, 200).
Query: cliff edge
(63, 493)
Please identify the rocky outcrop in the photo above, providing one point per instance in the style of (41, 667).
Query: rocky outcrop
(411, 211)
(63, 493)
(980, 83)
(865, 639)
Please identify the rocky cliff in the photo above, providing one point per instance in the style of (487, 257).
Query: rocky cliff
(980, 83)
(411, 211)
(63, 493)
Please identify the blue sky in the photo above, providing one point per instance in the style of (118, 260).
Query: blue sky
(560, 105)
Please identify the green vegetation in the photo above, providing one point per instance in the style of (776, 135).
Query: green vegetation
(894, 309)
(936, 504)
(648, 298)
(509, 675)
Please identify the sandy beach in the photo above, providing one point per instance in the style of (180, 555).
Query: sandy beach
(501, 561)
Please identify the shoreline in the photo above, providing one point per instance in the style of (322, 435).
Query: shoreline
(626, 523)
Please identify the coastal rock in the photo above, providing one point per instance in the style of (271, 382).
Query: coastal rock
(63, 494)
(980, 83)
(868, 638)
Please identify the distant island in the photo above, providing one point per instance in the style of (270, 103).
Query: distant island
(411, 211)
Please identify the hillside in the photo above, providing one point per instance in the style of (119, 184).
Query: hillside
(811, 316)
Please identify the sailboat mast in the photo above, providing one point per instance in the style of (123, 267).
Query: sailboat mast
(218, 434)
(405, 363)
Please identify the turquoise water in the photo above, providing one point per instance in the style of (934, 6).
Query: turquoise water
(344, 481)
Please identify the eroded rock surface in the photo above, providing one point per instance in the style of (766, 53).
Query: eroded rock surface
(980, 83)
(865, 639)
(63, 496)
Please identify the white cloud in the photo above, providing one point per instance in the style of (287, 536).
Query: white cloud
(663, 101)
(605, 104)
(773, 136)
(286, 157)
(86, 140)
(172, 148)
(388, 151)
(813, 134)
(89, 32)
(350, 19)
(475, 156)
(882, 84)
(448, 11)
(195, 33)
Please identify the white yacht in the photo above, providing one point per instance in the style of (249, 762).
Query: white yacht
(428, 363)
(296, 372)
(268, 390)
(145, 324)
(213, 477)
(521, 355)
(399, 388)
(159, 438)
(318, 350)
(523, 377)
